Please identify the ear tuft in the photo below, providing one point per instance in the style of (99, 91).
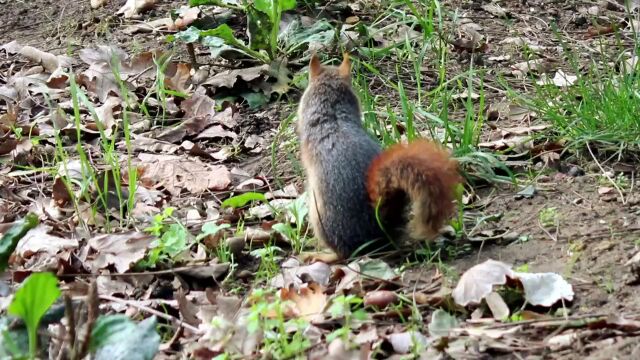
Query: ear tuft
(315, 67)
(345, 68)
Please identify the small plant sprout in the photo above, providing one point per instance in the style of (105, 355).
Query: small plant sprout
(297, 211)
(349, 308)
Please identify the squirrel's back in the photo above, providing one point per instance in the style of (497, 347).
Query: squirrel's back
(336, 153)
(349, 177)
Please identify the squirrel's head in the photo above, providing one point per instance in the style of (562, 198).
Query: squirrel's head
(319, 72)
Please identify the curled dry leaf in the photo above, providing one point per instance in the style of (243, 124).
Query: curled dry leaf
(403, 343)
(544, 289)
(49, 61)
(540, 289)
(478, 282)
(380, 298)
(134, 7)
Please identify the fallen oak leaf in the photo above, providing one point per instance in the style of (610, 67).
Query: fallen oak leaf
(176, 173)
(310, 301)
(120, 250)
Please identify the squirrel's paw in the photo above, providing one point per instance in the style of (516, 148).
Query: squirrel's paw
(315, 256)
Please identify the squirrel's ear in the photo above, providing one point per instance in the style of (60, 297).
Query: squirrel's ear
(345, 68)
(314, 66)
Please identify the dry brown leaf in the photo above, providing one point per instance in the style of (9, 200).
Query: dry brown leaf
(380, 298)
(38, 240)
(309, 301)
(199, 104)
(176, 173)
(178, 78)
(217, 131)
(120, 250)
(228, 78)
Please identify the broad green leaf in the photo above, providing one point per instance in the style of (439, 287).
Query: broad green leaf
(266, 6)
(117, 337)
(255, 100)
(191, 35)
(259, 27)
(217, 45)
(377, 269)
(224, 32)
(441, 323)
(241, 200)
(287, 5)
(211, 228)
(32, 300)
(11, 238)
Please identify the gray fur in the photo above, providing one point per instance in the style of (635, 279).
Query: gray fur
(330, 126)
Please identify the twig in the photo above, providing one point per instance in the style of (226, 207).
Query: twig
(154, 312)
(92, 315)
(71, 330)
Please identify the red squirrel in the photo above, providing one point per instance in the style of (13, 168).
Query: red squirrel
(360, 197)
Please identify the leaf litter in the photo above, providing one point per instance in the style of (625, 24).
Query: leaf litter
(185, 155)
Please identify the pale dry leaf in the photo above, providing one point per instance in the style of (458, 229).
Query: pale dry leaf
(478, 282)
(98, 3)
(495, 9)
(522, 68)
(498, 307)
(38, 240)
(367, 334)
(216, 132)
(105, 113)
(265, 210)
(149, 26)
(186, 16)
(50, 62)
(405, 342)
(114, 286)
(544, 289)
(293, 272)
(227, 118)
(134, 7)
(310, 301)
(177, 173)
(120, 250)
(561, 79)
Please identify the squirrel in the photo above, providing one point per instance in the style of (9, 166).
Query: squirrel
(358, 194)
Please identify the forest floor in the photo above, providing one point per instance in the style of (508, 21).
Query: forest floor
(162, 163)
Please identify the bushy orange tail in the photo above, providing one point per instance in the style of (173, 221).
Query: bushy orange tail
(421, 174)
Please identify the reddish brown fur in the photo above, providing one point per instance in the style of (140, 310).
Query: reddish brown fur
(425, 172)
